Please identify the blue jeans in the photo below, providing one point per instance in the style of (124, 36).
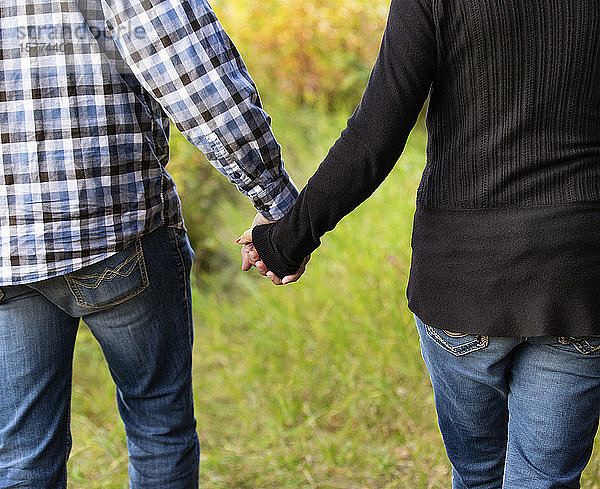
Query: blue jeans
(515, 413)
(137, 304)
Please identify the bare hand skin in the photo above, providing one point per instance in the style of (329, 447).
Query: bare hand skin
(250, 258)
(249, 254)
(288, 279)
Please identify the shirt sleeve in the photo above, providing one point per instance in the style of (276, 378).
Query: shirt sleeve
(181, 55)
(371, 144)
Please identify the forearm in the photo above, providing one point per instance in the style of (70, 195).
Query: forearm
(370, 145)
(182, 56)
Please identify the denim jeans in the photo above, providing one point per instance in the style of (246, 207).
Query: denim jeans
(137, 305)
(515, 413)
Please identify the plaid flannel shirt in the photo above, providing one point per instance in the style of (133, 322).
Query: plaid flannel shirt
(87, 89)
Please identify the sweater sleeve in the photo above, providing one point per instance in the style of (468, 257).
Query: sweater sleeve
(369, 146)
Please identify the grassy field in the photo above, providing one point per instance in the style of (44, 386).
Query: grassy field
(315, 385)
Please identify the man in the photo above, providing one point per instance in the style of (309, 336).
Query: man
(90, 220)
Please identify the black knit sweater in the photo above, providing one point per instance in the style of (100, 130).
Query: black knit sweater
(506, 235)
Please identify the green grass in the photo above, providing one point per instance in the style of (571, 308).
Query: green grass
(316, 385)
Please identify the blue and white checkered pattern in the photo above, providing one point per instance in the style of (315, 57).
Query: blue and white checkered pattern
(87, 89)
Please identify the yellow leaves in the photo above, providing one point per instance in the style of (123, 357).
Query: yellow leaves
(312, 51)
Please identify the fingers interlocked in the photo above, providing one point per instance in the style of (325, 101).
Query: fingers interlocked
(251, 258)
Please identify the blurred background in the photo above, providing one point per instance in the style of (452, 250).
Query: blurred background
(315, 385)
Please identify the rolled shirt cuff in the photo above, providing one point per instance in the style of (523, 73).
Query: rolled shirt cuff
(274, 201)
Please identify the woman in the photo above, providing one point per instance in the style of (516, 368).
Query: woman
(505, 274)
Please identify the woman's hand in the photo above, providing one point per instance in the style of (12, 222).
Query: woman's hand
(251, 258)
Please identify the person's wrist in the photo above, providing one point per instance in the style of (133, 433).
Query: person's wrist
(260, 219)
(275, 262)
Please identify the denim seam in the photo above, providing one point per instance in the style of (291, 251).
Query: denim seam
(183, 274)
(477, 344)
(581, 345)
(139, 258)
(69, 438)
(75, 277)
(454, 335)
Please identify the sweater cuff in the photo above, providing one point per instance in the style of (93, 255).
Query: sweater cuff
(275, 262)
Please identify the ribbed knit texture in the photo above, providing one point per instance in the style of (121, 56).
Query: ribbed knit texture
(514, 115)
(513, 151)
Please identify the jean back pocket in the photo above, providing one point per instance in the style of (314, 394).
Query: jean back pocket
(458, 344)
(589, 345)
(110, 281)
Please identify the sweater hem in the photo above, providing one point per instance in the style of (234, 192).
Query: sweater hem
(508, 272)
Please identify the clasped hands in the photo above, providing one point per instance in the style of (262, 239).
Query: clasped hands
(250, 257)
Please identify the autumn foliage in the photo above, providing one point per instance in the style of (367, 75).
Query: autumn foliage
(316, 52)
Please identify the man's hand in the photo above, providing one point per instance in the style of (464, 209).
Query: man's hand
(250, 257)
(249, 254)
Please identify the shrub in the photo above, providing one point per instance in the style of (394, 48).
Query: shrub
(311, 61)
(315, 52)
(202, 190)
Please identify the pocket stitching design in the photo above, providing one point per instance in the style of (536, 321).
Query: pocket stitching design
(137, 256)
(109, 273)
(581, 345)
(454, 335)
(480, 343)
